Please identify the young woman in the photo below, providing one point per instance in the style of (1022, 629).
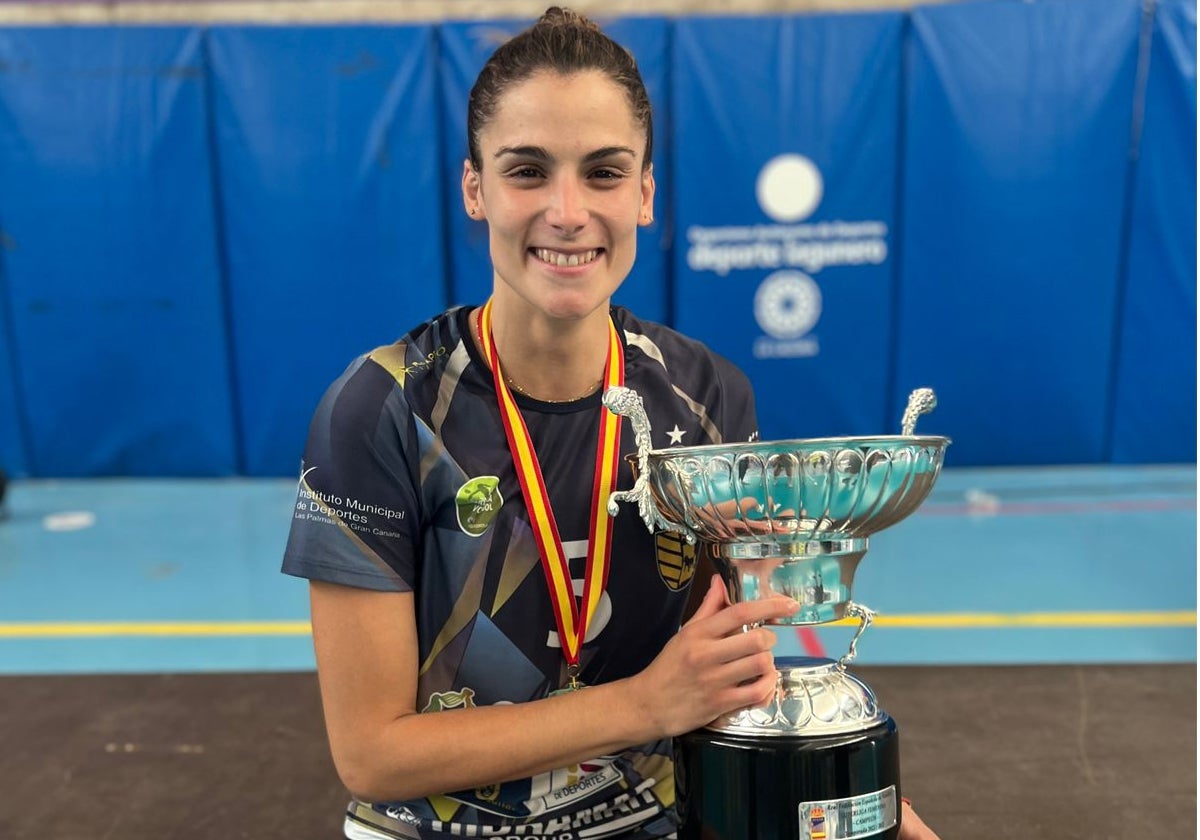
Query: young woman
(497, 656)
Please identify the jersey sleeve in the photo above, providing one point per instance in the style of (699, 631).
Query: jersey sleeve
(739, 417)
(356, 517)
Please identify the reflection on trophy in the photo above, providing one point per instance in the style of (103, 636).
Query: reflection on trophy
(821, 759)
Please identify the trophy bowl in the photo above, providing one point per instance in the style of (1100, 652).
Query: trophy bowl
(792, 517)
(788, 517)
(786, 493)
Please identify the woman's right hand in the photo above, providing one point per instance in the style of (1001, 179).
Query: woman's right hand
(713, 666)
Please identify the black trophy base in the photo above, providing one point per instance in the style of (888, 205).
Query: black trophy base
(731, 787)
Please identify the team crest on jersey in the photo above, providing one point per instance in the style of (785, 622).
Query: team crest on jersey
(676, 559)
(477, 502)
(439, 701)
(488, 793)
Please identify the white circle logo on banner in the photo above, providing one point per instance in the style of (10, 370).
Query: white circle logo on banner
(787, 304)
(789, 188)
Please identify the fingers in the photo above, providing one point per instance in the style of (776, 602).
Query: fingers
(750, 613)
(912, 827)
(735, 670)
(719, 662)
(749, 694)
(745, 670)
(714, 601)
(734, 617)
(741, 644)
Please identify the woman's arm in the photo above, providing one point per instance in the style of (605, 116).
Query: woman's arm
(367, 661)
(913, 827)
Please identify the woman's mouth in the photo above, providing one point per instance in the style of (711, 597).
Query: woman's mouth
(564, 260)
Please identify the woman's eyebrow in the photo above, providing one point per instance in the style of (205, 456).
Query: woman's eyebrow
(536, 152)
(609, 151)
(539, 153)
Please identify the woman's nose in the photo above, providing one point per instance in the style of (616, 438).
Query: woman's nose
(568, 206)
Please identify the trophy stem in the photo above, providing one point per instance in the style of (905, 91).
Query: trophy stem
(817, 574)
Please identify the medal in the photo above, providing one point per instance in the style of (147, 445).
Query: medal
(572, 620)
(573, 683)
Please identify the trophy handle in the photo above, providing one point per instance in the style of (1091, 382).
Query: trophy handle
(865, 616)
(920, 401)
(626, 402)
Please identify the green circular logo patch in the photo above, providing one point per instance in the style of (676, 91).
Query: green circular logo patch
(477, 502)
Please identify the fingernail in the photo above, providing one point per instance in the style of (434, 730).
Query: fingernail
(793, 604)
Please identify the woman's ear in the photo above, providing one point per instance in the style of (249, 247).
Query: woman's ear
(472, 192)
(646, 215)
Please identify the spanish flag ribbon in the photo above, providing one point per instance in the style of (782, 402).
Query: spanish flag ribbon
(571, 619)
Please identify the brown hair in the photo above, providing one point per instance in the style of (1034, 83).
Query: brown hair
(564, 42)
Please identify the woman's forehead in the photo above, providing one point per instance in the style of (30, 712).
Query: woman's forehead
(585, 109)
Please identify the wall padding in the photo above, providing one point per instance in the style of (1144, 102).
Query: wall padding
(115, 289)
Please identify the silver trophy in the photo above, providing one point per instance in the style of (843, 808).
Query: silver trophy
(792, 518)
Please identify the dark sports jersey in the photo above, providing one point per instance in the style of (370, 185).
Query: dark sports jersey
(408, 485)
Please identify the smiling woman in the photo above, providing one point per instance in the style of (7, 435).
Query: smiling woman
(559, 174)
(496, 653)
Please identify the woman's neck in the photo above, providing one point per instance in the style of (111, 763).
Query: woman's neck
(549, 359)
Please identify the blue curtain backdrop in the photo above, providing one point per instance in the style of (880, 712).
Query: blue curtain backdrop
(12, 448)
(112, 271)
(201, 226)
(784, 206)
(1155, 385)
(331, 211)
(1015, 170)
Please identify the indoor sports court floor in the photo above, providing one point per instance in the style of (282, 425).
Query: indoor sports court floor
(1035, 641)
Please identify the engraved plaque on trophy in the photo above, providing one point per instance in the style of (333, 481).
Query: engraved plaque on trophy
(819, 761)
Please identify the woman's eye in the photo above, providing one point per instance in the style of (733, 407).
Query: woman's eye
(522, 172)
(608, 174)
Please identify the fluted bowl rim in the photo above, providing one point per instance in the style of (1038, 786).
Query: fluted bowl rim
(779, 447)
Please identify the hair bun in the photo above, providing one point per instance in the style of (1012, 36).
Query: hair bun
(562, 16)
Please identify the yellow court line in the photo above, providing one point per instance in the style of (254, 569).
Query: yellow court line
(923, 621)
(941, 621)
(75, 630)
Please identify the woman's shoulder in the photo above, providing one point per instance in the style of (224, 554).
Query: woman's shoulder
(415, 351)
(436, 336)
(372, 375)
(676, 353)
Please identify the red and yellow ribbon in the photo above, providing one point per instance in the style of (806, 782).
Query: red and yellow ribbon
(572, 620)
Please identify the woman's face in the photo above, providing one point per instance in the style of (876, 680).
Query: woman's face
(563, 189)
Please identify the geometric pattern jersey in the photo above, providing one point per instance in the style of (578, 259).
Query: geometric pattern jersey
(408, 485)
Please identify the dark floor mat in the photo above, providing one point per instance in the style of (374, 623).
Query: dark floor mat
(988, 753)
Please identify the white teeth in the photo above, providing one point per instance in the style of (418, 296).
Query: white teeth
(556, 258)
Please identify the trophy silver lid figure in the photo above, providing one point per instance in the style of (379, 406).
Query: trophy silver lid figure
(790, 517)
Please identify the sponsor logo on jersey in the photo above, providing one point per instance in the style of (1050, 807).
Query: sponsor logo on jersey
(403, 814)
(676, 559)
(546, 792)
(477, 502)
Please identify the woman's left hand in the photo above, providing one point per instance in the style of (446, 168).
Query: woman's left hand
(912, 827)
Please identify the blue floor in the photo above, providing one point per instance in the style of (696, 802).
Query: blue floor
(1081, 564)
